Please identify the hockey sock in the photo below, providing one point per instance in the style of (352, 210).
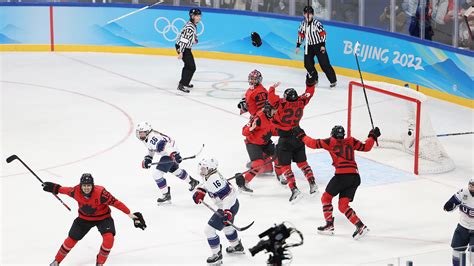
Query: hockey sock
(231, 235)
(160, 181)
(68, 244)
(212, 239)
(308, 172)
(255, 168)
(269, 166)
(107, 244)
(182, 174)
(290, 177)
(326, 200)
(278, 170)
(348, 211)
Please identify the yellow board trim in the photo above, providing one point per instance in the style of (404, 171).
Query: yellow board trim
(227, 56)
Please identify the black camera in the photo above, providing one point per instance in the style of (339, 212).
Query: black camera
(276, 243)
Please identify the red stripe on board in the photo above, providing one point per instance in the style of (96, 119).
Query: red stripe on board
(51, 27)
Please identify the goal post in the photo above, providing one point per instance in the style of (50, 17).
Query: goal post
(402, 115)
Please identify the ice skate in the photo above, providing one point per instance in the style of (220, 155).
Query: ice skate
(166, 199)
(238, 249)
(327, 229)
(360, 231)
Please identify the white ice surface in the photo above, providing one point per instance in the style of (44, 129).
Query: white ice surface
(69, 113)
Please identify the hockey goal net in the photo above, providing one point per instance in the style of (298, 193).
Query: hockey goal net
(402, 114)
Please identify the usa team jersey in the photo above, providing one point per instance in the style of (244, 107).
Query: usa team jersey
(465, 201)
(220, 190)
(160, 144)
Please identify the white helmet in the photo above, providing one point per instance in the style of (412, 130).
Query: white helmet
(143, 127)
(206, 165)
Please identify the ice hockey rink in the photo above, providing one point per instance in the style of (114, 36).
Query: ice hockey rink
(69, 113)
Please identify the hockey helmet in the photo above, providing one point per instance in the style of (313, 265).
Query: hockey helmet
(338, 132)
(290, 95)
(207, 165)
(268, 109)
(143, 130)
(255, 78)
(86, 179)
(308, 9)
(194, 12)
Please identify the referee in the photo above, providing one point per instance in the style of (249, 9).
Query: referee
(183, 45)
(313, 30)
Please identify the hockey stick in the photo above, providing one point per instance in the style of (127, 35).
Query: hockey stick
(14, 157)
(185, 158)
(260, 166)
(240, 229)
(356, 47)
(134, 12)
(454, 134)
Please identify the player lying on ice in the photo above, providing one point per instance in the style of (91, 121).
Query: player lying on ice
(94, 211)
(225, 198)
(346, 179)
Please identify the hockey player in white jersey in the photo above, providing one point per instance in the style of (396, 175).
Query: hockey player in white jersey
(164, 147)
(464, 234)
(225, 198)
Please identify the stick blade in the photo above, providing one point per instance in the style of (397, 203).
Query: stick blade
(11, 158)
(246, 227)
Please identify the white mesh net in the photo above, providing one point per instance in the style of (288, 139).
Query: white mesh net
(397, 120)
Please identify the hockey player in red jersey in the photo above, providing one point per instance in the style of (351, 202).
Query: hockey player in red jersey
(258, 133)
(289, 113)
(253, 102)
(346, 179)
(94, 210)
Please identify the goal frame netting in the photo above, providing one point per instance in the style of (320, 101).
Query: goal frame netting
(355, 84)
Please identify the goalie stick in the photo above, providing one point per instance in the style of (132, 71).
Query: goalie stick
(240, 229)
(14, 157)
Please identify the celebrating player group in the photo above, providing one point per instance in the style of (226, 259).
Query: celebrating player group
(273, 139)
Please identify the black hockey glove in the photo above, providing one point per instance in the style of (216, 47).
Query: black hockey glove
(51, 187)
(139, 222)
(176, 157)
(374, 133)
(239, 179)
(298, 132)
(449, 206)
(242, 106)
(147, 161)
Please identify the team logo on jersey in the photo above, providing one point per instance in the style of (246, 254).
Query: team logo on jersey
(163, 26)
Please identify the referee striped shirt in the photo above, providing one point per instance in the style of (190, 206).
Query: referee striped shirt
(314, 30)
(187, 37)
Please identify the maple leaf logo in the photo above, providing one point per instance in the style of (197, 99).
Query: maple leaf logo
(87, 209)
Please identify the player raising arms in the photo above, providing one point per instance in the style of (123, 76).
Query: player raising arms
(346, 180)
(94, 210)
(258, 133)
(463, 236)
(289, 148)
(225, 197)
(163, 146)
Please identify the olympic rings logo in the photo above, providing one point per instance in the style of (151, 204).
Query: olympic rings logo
(171, 26)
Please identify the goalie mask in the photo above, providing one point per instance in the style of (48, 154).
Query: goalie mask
(143, 130)
(255, 78)
(338, 132)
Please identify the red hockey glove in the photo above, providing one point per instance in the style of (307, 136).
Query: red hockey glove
(374, 133)
(199, 195)
(227, 215)
(176, 157)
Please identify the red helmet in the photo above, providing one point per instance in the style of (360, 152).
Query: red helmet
(255, 78)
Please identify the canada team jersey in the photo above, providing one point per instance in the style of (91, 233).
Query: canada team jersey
(160, 144)
(255, 97)
(96, 207)
(220, 190)
(289, 114)
(466, 207)
(341, 151)
(262, 134)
